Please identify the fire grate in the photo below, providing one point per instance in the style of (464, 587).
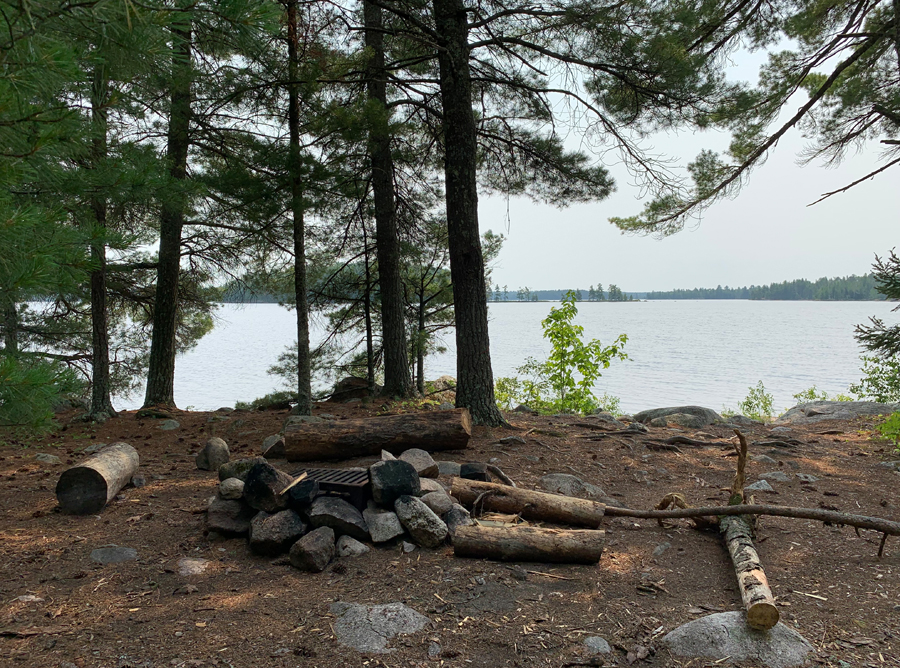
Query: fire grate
(351, 485)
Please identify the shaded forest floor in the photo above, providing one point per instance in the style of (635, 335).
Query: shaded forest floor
(248, 611)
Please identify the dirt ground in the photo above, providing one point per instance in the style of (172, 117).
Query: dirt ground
(251, 611)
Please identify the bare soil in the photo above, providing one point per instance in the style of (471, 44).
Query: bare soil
(249, 611)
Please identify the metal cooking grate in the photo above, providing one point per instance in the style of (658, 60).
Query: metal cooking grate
(354, 486)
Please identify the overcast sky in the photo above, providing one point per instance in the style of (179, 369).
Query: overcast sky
(768, 233)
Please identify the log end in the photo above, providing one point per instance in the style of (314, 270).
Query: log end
(81, 491)
(762, 616)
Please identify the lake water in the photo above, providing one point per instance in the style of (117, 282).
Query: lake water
(682, 352)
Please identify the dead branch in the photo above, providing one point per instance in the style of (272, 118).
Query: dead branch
(495, 471)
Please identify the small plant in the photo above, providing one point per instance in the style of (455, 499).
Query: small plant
(814, 394)
(564, 382)
(890, 429)
(273, 401)
(880, 381)
(758, 404)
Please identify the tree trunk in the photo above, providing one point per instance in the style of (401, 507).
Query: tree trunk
(396, 365)
(367, 306)
(10, 324)
(346, 439)
(101, 405)
(304, 387)
(161, 372)
(758, 600)
(86, 488)
(555, 546)
(475, 380)
(420, 344)
(541, 506)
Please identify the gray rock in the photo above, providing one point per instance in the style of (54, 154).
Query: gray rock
(760, 486)
(522, 408)
(512, 440)
(777, 476)
(569, 485)
(169, 425)
(239, 468)
(687, 420)
(448, 468)
(661, 548)
(426, 528)
(188, 566)
(302, 495)
(894, 465)
(422, 461)
(439, 502)
(213, 455)
(350, 547)
(434, 650)
(707, 415)
(407, 547)
(368, 628)
(273, 446)
(391, 480)
(384, 525)
(263, 488)
(597, 645)
(763, 459)
(820, 411)
(743, 421)
(314, 550)
(726, 634)
(138, 480)
(91, 449)
(428, 485)
(228, 516)
(231, 488)
(113, 554)
(781, 430)
(300, 419)
(806, 477)
(387, 456)
(475, 471)
(330, 511)
(44, 458)
(457, 517)
(659, 422)
(271, 535)
(446, 406)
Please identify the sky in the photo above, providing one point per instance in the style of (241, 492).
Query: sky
(768, 233)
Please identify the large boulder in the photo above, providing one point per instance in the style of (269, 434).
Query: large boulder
(350, 547)
(263, 488)
(314, 550)
(239, 468)
(368, 628)
(457, 517)
(271, 535)
(726, 635)
(229, 517)
(426, 528)
(820, 411)
(391, 480)
(423, 462)
(301, 496)
(707, 415)
(213, 455)
(439, 502)
(345, 519)
(351, 388)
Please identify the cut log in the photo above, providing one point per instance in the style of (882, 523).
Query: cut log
(558, 546)
(89, 486)
(758, 600)
(345, 439)
(541, 506)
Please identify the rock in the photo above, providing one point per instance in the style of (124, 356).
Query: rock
(294, 419)
(475, 471)
(239, 468)
(760, 486)
(895, 465)
(806, 477)
(271, 535)
(169, 425)
(44, 458)
(213, 455)
(434, 650)
(229, 517)
(387, 456)
(263, 486)
(820, 411)
(113, 554)
(763, 459)
(188, 566)
(138, 480)
(439, 502)
(91, 449)
(314, 550)
(597, 645)
(743, 421)
(726, 635)
(352, 388)
(448, 468)
(302, 495)
(407, 547)
(512, 440)
(423, 462)
(522, 408)
(350, 547)
(457, 517)
(330, 511)
(426, 528)
(707, 415)
(781, 430)
(368, 628)
(391, 480)
(273, 446)
(231, 488)
(384, 525)
(687, 420)
(446, 406)
(659, 422)
(569, 485)
(636, 428)
(777, 476)
(428, 485)
(661, 548)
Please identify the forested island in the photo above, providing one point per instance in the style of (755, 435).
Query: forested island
(848, 288)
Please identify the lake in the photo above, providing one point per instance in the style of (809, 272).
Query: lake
(682, 352)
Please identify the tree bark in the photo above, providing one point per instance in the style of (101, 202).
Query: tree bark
(101, 404)
(541, 506)
(367, 309)
(420, 344)
(86, 488)
(10, 323)
(345, 439)
(393, 328)
(474, 377)
(161, 372)
(758, 600)
(304, 380)
(555, 546)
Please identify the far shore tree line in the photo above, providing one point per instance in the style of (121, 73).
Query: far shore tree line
(526, 294)
(335, 153)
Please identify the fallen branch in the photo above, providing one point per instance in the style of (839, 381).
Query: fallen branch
(495, 471)
(684, 440)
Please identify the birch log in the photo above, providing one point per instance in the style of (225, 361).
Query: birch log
(89, 486)
(758, 600)
(557, 546)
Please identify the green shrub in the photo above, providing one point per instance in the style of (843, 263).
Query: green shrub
(813, 394)
(30, 387)
(564, 382)
(880, 381)
(890, 429)
(272, 401)
(758, 404)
